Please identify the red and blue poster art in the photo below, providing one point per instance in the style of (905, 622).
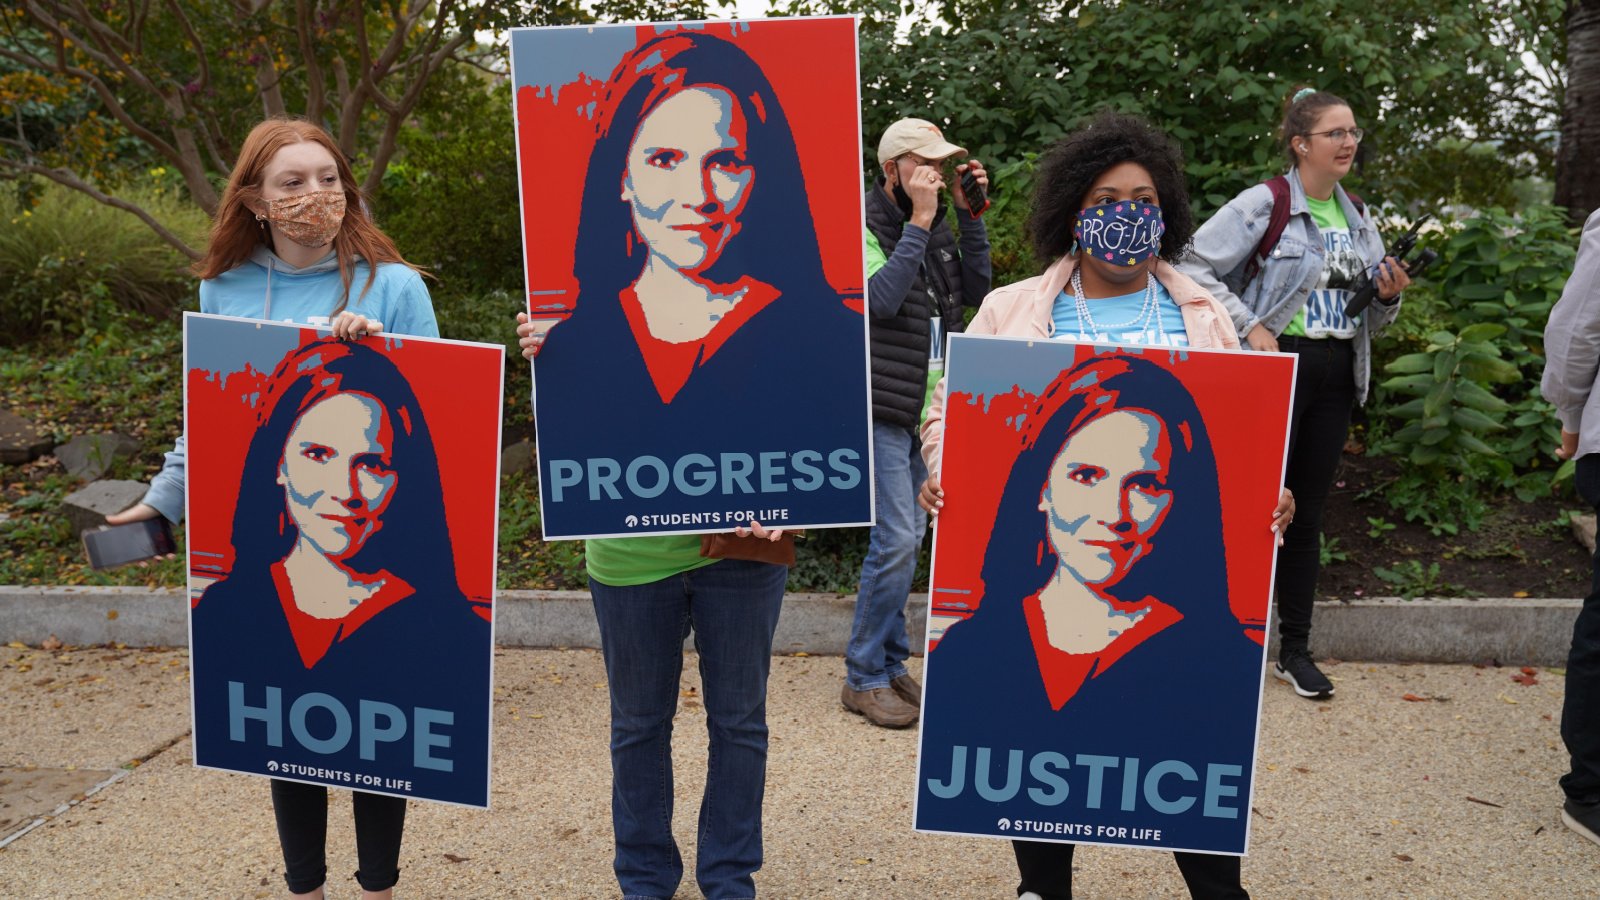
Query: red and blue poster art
(1101, 581)
(342, 508)
(691, 214)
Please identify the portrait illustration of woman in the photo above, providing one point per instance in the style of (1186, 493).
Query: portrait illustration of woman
(1105, 578)
(701, 284)
(343, 581)
(695, 218)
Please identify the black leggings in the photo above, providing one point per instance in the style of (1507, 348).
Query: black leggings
(1046, 870)
(1325, 392)
(302, 813)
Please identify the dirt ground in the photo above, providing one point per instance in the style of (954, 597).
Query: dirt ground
(1521, 550)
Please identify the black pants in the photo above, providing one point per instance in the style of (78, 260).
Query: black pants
(1047, 871)
(302, 813)
(1325, 391)
(1580, 711)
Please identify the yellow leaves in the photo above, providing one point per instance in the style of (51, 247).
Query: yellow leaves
(29, 87)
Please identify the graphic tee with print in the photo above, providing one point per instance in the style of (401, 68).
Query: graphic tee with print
(1323, 315)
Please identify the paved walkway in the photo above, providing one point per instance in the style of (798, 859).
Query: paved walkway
(1371, 795)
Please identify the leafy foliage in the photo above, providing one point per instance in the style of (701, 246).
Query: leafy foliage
(433, 201)
(82, 85)
(1006, 77)
(65, 263)
(1475, 421)
(1410, 579)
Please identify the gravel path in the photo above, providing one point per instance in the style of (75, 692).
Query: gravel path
(1372, 795)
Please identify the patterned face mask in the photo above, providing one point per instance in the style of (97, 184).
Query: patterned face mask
(1122, 233)
(310, 220)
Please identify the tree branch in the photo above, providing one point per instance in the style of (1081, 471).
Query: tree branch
(472, 59)
(402, 30)
(381, 156)
(104, 34)
(68, 179)
(267, 78)
(350, 115)
(195, 42)
(316, 99)
(137, 14)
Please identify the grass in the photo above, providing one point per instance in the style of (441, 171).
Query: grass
(68, 263)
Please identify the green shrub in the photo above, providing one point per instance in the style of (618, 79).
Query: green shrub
(1462, 406)
(1010, 251)
(450, 202)
(67, 261)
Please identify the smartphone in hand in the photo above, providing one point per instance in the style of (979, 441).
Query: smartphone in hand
(977, 199)
(110, 546)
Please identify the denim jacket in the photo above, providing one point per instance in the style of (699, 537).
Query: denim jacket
(1226, 243)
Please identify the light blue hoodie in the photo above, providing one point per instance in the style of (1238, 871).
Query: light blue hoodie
(266, 287)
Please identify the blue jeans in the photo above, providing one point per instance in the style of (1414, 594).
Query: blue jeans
(878, 643)
(1580, 709)
(732, 607)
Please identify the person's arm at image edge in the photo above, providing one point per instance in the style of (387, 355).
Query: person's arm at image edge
(1572, 338)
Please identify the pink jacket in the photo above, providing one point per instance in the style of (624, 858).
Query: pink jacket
(1023, 310)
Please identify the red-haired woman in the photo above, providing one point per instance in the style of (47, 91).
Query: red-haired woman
(290, 243)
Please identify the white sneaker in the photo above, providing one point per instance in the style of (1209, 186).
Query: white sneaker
(1030, 896)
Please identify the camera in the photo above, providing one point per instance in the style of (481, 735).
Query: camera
(1366, 289)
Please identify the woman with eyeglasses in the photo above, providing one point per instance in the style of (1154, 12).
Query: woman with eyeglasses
(1291, 297)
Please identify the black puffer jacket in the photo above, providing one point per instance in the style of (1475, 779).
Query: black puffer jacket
(900, 342)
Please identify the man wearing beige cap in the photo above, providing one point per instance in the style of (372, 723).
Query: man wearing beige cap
(918, 281)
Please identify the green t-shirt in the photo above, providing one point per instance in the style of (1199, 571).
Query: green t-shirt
(623, 562)
(1323, 314)
(875, 257)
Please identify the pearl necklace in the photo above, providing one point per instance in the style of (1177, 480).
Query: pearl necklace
(1148, 312)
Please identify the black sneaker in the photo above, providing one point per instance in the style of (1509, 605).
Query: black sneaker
(1296, 667)
(1584, 818)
